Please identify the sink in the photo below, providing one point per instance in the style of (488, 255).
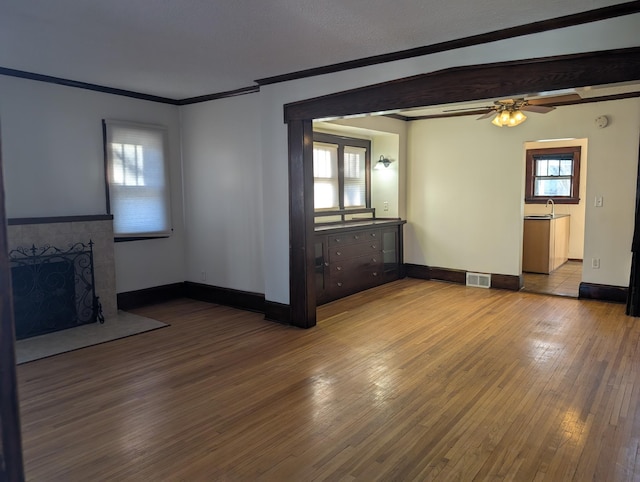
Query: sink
(538, 216)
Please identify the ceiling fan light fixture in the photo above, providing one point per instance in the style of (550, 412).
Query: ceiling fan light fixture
(509, 117)
(516, 118)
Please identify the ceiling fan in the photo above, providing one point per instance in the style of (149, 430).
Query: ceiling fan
(509, 112)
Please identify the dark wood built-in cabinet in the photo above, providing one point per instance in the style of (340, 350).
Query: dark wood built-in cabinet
(352, 257)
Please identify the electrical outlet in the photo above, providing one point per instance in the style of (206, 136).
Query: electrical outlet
(595, 263)
(385, 206)
(598, 202)
(203, 276)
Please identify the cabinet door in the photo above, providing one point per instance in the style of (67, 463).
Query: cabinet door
(391, 254)
(321, 262)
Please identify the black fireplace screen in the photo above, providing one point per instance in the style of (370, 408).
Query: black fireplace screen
(53, 289)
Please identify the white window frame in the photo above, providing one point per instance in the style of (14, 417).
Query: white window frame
(146, 184)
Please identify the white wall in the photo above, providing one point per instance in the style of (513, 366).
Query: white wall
(53, 166)
(609, 34)
(576, 211)
(223, 193)
(464, 203)
(466, 189)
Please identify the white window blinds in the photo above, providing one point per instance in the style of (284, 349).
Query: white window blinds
(136, 170)
(355, 187)
(325, 176)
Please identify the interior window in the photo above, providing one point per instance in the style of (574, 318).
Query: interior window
(341, 172)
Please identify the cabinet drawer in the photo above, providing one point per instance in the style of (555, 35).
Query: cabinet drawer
(339, 253)
(355, 281)
(354, 237)
(354, 266)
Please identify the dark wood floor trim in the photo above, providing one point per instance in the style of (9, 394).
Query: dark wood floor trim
(503, 34)
(507, 282)
(277, 312)
(243, 300)
(135, 299)
(417, 271)
(60, 219)
(85, 85)
(593, 291)
(498, 281)
(458, 276)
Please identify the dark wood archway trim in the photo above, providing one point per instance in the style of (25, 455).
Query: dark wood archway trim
(452, 85)
(474, 82)
(301, 248)
(11, 464)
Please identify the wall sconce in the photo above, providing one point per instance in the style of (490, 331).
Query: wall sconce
(383, 162)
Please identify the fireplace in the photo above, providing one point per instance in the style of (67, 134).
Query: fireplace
(64, 232)
(53, 289)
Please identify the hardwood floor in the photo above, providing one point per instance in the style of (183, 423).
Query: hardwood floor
(414, 380)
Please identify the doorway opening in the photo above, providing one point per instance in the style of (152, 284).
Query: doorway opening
(554, 216)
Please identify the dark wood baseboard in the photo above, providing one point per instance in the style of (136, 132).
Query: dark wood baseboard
(593, 291)
(417, 271)
(458, 276)
(149, 296)
(498, 281)
(278, 312)
(507, 282)
(244, 300)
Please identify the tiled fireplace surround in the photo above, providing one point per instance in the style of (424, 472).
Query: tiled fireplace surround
(62, 232)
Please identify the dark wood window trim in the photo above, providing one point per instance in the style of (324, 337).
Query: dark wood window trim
(452, 85)
(342, 142)
(532, 156)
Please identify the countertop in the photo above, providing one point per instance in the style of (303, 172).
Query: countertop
(544, 217)
(365, 223)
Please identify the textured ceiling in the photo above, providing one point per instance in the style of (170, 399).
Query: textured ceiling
(187, 48)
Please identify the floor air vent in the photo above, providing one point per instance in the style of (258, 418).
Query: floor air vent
(479, 280)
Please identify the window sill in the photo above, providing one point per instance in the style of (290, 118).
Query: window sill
(136, 238)
(543, 200)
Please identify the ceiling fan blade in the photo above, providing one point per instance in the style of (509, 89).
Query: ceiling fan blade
(467, 108)
(554, 99)
(540, 109)
(487, 115)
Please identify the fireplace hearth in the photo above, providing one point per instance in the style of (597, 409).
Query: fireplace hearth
(53, 289)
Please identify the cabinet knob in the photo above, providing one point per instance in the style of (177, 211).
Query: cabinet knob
(338, 268)
(339, 283)
(337, 240)
(338, 253)
(373, 246)
(326, 263)
(374, 260)
(373, 235)
(356, 237)
(375, 273)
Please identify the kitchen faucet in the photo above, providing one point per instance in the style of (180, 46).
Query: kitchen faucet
(553, 206)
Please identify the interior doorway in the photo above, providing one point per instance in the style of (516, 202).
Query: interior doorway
(555, 221)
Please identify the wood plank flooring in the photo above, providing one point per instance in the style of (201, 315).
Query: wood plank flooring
(414, 380)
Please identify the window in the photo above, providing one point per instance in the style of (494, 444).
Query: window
(553, 174)
(341, 172)
(137, 180)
